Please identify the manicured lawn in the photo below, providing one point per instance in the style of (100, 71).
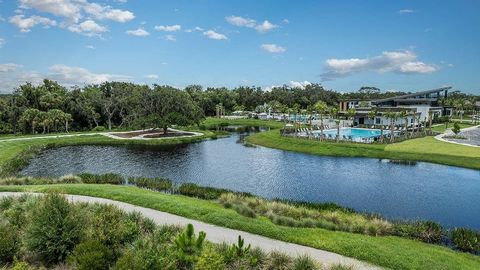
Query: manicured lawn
(422, 149)
(212, 122)
(441, 128)
(391, 252)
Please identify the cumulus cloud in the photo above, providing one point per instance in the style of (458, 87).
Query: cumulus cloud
(168, 28)
(91, 47)
(2, 42)
(273, 48)
(88, 28)
(214, 35)
(239, 21)
(9, 67)
(151, 76)
(404, 62)
(26, 23)
(71, 12)
(301, 85)
(77, 75)
(140, 32)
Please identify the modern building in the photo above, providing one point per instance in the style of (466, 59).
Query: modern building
(418, 106)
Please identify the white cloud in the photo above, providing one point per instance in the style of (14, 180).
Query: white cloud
(273, 48)
(91, 47)
(198, 28)
(286, 21)
(25, 24)
(251, 23)
(2, 42)
(140, 32)
(170, 38)
(301, 85)
(151, 76)
(404, 62)
(9, 67)
(168, 28)
(106, 12)
(265, 27)
(63, 8)
(2, 19)
(77, 75)
(88, 28)
(240, 21)
(406, 11)
(214, 35)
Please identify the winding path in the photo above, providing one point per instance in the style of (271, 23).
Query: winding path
(218, 234)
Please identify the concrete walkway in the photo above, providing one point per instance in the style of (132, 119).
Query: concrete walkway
(218, 234)
(449, 132)
(107, 134)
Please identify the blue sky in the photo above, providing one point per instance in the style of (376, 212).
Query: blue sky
(394, 45)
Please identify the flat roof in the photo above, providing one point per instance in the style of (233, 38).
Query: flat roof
(412, 94)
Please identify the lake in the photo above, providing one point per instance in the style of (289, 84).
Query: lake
(441, 193)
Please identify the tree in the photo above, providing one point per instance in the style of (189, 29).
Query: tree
(456, 128)
(351, 112)
(189, 247)
(372, 114)
(29, 116)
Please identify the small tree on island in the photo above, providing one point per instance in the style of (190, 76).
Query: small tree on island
(456, 128)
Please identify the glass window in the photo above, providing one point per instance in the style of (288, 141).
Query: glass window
(377, 121)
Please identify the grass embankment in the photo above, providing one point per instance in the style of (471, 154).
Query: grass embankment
(421, 149)
(15, 154)
(389, 251)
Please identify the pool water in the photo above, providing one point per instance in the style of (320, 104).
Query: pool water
(354, 133)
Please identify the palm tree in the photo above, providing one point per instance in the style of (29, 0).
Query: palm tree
(334, 113)
(430, 116)
(30, 116)
(392, 116)
(351, 114)
(371, 115)
(404, 115)
(321, 108)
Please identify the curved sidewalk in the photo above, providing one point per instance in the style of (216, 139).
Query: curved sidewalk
(218, 234)
(449, 132)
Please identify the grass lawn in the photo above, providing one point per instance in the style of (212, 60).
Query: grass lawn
(212, 122)
(391, 252)
(441, 128)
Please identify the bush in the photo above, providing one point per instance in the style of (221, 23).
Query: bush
(107, 178)
(99, 129)
(244, 210)
(210, 260)
(9, 243)
(19, 265)
(70, 179)
(91, 255)
(304, 263)
(277, 261)
(54, 229)
(466, 239)
(428, 231)
(189, 247)
(456, 128)
(193, 190)
(158, 184)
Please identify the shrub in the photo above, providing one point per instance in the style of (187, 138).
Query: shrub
(210, 260)
(304, 262)
(456, 128)
(428, 231)
(91, 255)
(466, 239)
(54, 229)
(193, 190)
(158, 184)
(244, 210)
(9, 243)
(19, 265)
(70, 179)
(277, 261)
(189, 247)
(99, 129)
(107, 178)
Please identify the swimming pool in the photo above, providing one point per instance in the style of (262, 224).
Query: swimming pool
(355, 134)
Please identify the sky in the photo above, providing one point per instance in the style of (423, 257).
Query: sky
(343, 45)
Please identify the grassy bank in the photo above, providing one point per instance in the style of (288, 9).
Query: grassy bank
(441, 128)
(15, 154)
(390, 251)
(422, 149)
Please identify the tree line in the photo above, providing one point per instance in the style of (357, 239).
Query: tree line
(51, 107)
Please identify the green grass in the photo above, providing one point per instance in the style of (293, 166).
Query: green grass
(15, 153)
(421, 149)
(212, 122)
(441, 128)
(391, 252)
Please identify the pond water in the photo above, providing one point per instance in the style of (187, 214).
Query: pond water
(445, 194)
